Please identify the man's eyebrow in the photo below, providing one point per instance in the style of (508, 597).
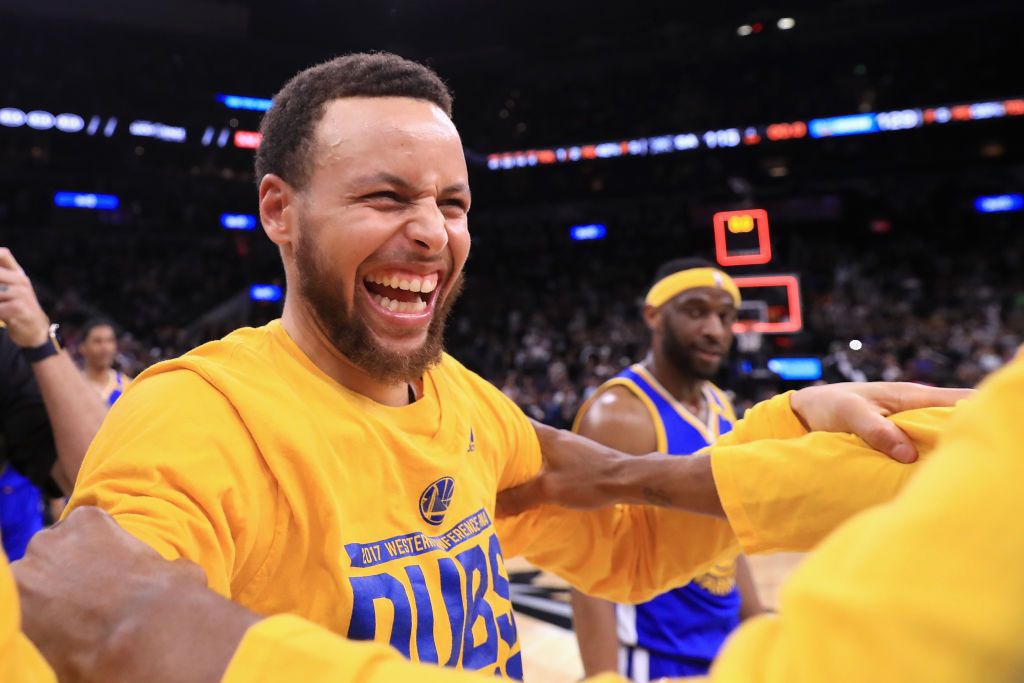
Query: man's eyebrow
(455, 188)
(402, 183)
(385, 177)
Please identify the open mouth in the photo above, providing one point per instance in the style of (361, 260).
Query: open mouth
(403, 293)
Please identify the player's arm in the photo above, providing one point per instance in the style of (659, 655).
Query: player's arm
(73, 411)
(618, 420)
(777, 494)
(174, 466)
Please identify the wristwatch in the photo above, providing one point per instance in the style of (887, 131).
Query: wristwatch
(51, 347)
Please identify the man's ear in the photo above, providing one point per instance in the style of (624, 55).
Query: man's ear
(277, 202)
(652, 318)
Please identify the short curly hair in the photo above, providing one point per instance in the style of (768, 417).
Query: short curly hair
(288, 126)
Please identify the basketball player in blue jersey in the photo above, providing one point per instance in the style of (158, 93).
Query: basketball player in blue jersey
(666, 403)
(98, 348)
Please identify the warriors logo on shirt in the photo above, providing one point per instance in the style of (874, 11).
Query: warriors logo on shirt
(435, 500)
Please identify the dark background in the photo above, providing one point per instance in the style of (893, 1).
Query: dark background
(881, 228)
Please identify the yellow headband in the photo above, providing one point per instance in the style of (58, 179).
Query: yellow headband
(669, 287)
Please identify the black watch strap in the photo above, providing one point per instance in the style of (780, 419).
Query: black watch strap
(50, 347)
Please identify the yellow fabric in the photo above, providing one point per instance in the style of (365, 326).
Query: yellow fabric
(675, 284)
(926, 587)
(20, 662)
(298, 496)
(285, 648)
(788, 495)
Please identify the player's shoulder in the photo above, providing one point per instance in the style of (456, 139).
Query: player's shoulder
(616, 416)
(206, 368)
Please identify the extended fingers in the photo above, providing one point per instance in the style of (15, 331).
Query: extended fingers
(880, 433)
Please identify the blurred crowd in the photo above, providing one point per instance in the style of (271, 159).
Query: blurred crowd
(548, 323)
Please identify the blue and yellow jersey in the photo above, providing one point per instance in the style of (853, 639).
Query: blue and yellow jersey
(693, 620)
(115, 387)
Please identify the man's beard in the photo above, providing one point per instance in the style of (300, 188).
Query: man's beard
(679, 356)
(349, 333)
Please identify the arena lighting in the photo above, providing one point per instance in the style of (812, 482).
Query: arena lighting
(83, 200)
(786, 23)
(593, 231)
(744, 30)
(835, 126)
(237, 221)
(999, 203)
(799, 369)
(856, 345)
(243, 102)
(247, 139)
(265, 293)
(12, 117)
(157, 131)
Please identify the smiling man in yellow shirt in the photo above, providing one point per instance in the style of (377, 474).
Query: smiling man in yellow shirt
(335, 464)
(848, 614)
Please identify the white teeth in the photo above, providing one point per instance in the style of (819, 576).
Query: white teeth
(424, 285)
(400, 306)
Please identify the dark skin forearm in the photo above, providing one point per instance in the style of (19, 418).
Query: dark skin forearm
(583, 474)
(197, 636)
(668, 481)
(103, 607)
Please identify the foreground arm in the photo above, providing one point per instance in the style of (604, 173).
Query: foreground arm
(126, 615)
(924, 588)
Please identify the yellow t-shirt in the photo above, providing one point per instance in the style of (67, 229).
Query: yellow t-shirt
(20, 662)
(922, 588)
(299, 496)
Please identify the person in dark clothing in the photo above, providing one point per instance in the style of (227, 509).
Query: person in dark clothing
(48, 414)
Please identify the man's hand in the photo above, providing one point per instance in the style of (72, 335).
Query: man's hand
(101, 605)
(861, 408)
(26, 322)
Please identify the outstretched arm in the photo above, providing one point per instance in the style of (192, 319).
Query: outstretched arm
(75, 411)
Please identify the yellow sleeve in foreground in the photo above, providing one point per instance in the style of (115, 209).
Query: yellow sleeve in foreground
(926, 587)
(285, 648)
(19, 661)
(788, 495)
(618, 553)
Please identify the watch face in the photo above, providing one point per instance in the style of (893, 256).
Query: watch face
(56, 337)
